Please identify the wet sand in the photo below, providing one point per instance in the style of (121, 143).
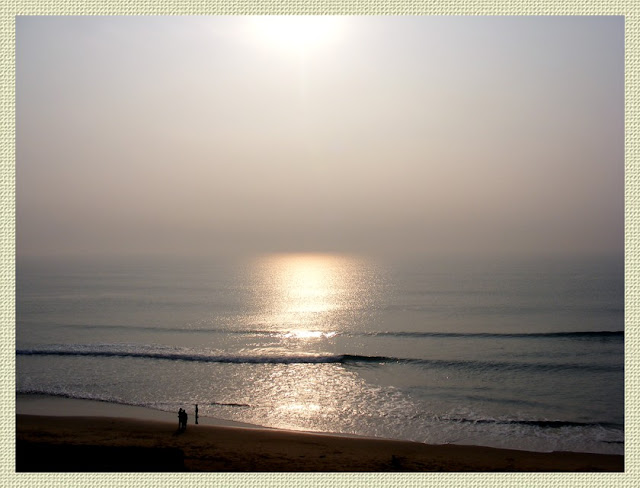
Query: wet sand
(99, 444)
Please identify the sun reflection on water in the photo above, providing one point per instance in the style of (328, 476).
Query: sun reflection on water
(308, 334)
(300, 305)
(307, 300)
(304, 295)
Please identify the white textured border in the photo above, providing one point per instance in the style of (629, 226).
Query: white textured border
(11, 8)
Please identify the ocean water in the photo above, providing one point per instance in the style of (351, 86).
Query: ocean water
(522, 355)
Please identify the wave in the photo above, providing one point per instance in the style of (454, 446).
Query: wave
(286, 333)
(487, 365)
(546, 424)
(515, 335)
(614, 429)
(164, 406)
(174, 354)
(185, 356)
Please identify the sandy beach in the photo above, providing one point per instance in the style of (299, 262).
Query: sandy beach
(80, 443)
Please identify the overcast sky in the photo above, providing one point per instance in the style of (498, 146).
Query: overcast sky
(399, 135)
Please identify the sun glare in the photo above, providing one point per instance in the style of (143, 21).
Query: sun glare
(297, 32)
(306, 292)
(308, 334)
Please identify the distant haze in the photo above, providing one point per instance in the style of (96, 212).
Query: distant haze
(392, 135)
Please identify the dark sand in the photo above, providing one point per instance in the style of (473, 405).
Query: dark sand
(97, 444)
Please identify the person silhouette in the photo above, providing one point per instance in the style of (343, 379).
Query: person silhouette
(184, 419)
(196, 414)
(180, 418)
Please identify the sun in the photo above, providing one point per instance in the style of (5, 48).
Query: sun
(297, 33)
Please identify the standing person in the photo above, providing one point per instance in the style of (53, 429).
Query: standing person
(196, 414)
(184, 420)
(180, 419)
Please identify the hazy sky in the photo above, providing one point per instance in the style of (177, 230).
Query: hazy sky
(400, 135)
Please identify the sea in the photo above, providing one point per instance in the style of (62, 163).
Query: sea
(520, 354)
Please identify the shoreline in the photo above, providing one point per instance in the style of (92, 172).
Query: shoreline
(58, 406)
(56, 434)
(52, 405)
(120, 444)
